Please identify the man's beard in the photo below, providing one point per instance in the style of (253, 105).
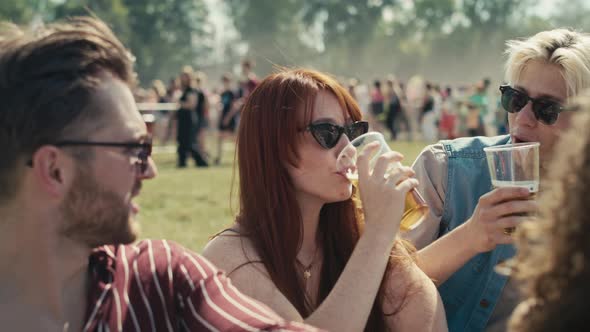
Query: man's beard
(96, 216)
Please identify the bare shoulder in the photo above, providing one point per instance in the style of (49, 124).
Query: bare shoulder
(236, 255)
(229, 251)
(415, 299)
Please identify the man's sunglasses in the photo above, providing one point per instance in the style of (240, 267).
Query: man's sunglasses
(545, 110)
(144, 150)
(328, 134)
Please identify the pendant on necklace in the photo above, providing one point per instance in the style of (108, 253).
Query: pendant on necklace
(307, 274)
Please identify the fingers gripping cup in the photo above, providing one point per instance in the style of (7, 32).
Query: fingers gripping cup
(514, 165)
(415, 206)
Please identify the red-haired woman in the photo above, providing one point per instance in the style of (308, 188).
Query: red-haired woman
(298, 243)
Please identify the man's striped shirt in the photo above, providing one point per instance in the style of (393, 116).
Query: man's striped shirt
(155, 285)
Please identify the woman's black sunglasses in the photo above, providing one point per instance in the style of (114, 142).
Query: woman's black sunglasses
(545, 110)
(328, 134)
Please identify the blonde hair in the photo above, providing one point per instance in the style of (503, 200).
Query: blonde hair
(566, 48)
(553, 260)
(187, 70)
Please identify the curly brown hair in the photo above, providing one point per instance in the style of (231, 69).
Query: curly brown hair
(553, 260)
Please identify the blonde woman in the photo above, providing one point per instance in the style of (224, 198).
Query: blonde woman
(463, 238)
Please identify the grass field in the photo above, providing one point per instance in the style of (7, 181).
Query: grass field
(189, 205)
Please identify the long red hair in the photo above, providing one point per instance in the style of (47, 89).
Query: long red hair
(269, 214)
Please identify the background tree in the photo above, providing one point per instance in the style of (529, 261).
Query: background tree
(167, 35)
(444, 40)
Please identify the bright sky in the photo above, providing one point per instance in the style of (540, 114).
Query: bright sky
(223, 25)
(545, 7)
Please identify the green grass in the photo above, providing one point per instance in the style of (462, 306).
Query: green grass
(189, 205)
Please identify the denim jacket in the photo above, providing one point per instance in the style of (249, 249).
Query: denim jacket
(471, 293)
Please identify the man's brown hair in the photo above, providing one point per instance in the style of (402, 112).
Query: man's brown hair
(47, 77)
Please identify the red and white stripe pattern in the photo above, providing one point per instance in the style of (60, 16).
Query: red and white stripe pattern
(155, 285)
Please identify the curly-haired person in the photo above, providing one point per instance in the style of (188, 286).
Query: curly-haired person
(553, 260)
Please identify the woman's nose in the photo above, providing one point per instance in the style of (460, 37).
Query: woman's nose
(347, 156)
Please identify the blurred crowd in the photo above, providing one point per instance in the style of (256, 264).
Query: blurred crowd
(422, 110)
(416, 109)
(215, 107)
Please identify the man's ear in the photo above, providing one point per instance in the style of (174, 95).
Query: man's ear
(53, 170)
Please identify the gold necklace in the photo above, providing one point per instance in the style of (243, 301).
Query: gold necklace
(307, 268)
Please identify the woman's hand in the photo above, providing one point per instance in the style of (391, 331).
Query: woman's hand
(383, 195)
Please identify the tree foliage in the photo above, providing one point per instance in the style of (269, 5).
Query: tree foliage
(442, 39)
(163, 35)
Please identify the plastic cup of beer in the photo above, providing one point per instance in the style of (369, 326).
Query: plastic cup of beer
(415, 207)
(514, 165)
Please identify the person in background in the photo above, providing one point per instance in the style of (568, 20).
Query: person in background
(187, 122)
(394, 108)
(416, 96)
(227, 119)
(473, 120)
(173, 94)
(203, 114)
(249, 79)
(159, 91)
(430, 113)
(246, 84)
(377, 107)
(447, 126)
(478, 104)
